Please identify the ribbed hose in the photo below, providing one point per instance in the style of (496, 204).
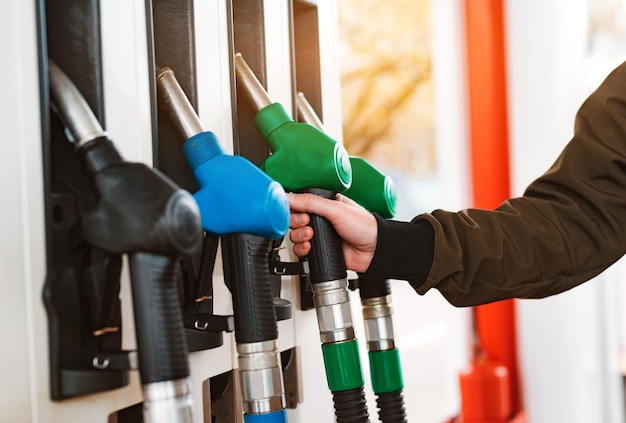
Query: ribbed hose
(391, 408)
(350, 406)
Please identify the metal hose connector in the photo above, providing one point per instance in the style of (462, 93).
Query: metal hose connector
(261, 377)
(334, 316)
(168, 402)
(377, 317)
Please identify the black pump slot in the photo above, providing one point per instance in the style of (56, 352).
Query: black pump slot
(174, 47)
(81, 290)
(249, 40)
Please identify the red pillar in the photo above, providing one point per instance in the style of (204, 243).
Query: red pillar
(488, 127)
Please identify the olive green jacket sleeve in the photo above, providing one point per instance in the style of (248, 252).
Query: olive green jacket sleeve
(569, 225)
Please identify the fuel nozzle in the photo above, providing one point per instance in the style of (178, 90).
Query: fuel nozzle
(234, 195)
(302, 155)
(375, 192)
(305, 159)
(370, 187)
(141, 213)
(247, 209)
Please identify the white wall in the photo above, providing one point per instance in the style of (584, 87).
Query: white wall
(22, 247)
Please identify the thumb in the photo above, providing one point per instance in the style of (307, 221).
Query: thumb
(311, 203)
(345, 200)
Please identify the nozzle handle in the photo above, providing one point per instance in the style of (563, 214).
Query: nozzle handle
(246, 273)
(373, 287)
(161, 344)
(326, 261)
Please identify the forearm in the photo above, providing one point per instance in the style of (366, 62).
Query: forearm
(568, 227)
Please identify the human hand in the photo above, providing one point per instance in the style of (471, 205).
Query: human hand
(355, 226)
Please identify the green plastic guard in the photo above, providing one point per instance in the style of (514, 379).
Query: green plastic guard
(302, 156)
(343, 365)
(372, 189)
(385, 371)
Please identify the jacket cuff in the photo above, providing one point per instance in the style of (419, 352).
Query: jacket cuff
(404, 250)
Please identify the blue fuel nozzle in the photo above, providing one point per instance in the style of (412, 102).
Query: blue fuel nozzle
(234, 195)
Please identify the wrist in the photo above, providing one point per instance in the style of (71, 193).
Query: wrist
(404, 250)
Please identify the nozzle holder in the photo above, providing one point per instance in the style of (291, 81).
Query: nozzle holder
(371, 188)
(234, 195)
(302, 156)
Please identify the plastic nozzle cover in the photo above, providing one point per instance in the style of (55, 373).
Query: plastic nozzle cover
(372, 189)
(234, 196)
(302, 155)
(138, 209)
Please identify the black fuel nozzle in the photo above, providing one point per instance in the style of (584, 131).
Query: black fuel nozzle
(139, 212)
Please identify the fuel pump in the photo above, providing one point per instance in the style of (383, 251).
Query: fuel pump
(248, 210)
(375, 191)
(141, 213)
(305, 159)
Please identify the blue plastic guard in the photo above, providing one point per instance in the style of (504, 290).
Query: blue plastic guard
(234, 196)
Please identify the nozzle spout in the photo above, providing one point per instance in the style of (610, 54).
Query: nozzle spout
(252, 87)
(306, 112)
(173, 99)
(72, 108)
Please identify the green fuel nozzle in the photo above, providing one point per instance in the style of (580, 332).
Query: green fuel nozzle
(374, 191)
(305, 159)
(302, 155)
(370, 187)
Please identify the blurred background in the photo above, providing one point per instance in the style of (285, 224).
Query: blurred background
(404, 105)
(387, 94)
